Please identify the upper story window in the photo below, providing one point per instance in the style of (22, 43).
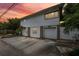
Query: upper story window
(51, 15)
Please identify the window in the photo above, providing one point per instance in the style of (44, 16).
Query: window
(51, 15)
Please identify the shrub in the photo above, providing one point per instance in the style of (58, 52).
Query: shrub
(75, 52)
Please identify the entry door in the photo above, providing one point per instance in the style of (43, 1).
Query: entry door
(35, 32)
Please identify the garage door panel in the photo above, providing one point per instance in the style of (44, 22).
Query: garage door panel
(35, 32)
(50, 33)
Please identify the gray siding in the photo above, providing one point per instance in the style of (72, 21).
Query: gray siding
(52, 33)
(69, 36)
(39, 21)
(49, 33)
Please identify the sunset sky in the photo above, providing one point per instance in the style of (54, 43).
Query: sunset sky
(21, 9)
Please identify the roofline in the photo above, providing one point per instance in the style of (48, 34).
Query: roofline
(44, 11)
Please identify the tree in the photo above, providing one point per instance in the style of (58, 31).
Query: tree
(4, 25)
(14, 23)
(12, 26)
(71, 17)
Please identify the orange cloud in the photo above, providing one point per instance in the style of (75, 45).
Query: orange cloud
(22, 9)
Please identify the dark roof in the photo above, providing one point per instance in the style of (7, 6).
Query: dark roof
(44, 11)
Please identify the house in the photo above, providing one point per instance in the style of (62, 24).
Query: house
(44, 24)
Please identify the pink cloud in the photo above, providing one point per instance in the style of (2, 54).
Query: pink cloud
(22, 9)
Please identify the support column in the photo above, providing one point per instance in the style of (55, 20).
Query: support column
(28, 31)
(41, 32)
(58, 32)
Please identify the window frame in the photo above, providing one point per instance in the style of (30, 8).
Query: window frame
(51, 17)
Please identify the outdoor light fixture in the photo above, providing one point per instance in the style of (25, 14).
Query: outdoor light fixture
(61, 22)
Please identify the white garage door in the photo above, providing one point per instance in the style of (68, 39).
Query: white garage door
(50, 33)
(35, 32)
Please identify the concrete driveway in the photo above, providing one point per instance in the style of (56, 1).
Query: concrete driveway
(32, 46)
(7, 50)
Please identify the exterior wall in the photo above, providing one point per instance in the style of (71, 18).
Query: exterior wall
(65, 36)
(25, 32)
(35, 32)
(49, 33)
(38, 21)
(69, 36)
(52, 34)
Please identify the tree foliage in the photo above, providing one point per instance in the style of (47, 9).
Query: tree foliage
(12, 25)
(71, 17)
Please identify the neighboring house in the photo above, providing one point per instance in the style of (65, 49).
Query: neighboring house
(43, 24)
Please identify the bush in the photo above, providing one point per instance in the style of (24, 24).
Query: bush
(18, 31)
(75, 52)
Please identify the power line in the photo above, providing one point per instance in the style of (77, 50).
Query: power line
(13, 5)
